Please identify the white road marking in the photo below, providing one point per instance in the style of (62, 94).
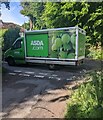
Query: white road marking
(58, 79)
(17, 71)
(43, 73)
(39, 76)
(29, 72)
(12, 73)
(69, 79)
(51, 77)
(24, 75)
(54, 75)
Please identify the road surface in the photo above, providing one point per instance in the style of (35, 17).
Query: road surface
(34, 91)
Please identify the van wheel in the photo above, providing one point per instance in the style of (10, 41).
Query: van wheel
(11, 62)
(52, 66)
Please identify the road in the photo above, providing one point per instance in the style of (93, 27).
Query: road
(34, 91)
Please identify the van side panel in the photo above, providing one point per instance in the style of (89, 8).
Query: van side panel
(37, 45)
(55, 46)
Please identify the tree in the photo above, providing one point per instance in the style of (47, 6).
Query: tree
(34, 11)
(26, 26)
(7, 4)
(94, 26)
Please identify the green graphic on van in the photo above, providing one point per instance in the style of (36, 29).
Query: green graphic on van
(62, 44)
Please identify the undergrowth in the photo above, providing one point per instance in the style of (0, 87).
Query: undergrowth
(87, 100)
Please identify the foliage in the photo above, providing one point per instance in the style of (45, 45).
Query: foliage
(96, 52)
(26, 26)
(10, 36)
(87, 101)
(7, 4)
(52, 15)
(2, 31)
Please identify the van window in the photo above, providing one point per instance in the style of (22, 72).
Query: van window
(17, 44)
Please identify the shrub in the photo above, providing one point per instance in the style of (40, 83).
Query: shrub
(2, 32)
(96, 52)
(10, 36)
(87, 100)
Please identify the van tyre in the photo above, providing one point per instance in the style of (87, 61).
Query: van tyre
(11, 62)
(52, 66)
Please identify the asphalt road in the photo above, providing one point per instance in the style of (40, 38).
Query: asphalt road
(34, 91)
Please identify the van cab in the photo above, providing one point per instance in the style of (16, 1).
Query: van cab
(15, 54)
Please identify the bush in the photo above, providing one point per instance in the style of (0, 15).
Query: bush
(96, 52)
(10, 36)
(87, 100)
(2, 31)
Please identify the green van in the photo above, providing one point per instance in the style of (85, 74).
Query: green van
(59, 46)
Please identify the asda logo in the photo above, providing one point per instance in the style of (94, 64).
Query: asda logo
(37, 43)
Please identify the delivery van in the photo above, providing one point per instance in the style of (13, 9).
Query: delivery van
(59, 46)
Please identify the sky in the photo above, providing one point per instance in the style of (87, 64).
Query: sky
(13, 15)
